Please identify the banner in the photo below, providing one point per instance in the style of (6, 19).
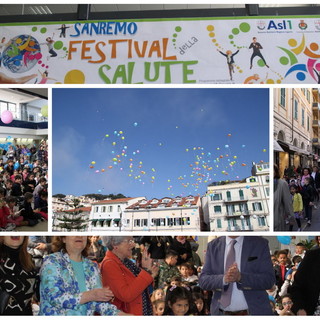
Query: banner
(156, 51)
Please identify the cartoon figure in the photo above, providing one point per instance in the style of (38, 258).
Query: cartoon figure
(63, 29)
(230, 61)
(256, 46)
(45, 78)
(255, 79)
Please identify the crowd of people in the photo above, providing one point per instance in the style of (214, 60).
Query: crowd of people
(296, 195)
(155, 275)
(23, 186)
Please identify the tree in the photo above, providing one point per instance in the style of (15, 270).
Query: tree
(73, 219)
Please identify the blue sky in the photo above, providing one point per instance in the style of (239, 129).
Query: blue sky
(156, 142)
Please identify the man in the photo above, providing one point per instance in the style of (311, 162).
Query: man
(256, 46)
(305, 290)
(168, 269)
(248, 277)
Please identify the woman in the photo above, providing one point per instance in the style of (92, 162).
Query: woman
(70, 283)
(156, 245)
(18, 277)
(128, 282)
(182, 246)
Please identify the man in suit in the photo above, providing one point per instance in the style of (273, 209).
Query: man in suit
(305, 290)
(238, 288)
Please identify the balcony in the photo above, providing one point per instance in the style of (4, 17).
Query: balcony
(316, 123)
(238, 228)
(238, 214)
(236, 199)
(316, 106)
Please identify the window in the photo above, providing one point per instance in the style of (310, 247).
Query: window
(97, 209)
(165, 200)
(137, 222)
(104, 209)
(302, 117)
(308, 123)
(219, 225)
(158, 222)
(267, 179)
(308, 95)
(119, 208)
(256, 206)
(230, 209)
(241, 195)
(283, 97)
(262, 221)
(110, 209)
(216, 196)
(295, 111)
(144, 222)
(217, 209)
(267, 191)
(228, 195)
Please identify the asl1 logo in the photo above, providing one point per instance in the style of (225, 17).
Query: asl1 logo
(283, 25)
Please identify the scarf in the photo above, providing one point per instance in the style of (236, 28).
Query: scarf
(146, 304)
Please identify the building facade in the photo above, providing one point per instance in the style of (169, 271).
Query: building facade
(108, 215)
(166, 214)
(239, 206)
(293, 128)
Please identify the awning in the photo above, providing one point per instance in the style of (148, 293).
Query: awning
(277, 147)
(116, 220)
(94, 220)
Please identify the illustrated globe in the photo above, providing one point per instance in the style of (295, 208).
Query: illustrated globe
(22, 54)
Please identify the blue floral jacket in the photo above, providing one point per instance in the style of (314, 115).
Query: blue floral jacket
(59, 289)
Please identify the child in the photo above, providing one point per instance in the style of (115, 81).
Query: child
(167, 268)
(187, 275)
(4, 214)
(157, 294)
(199, 301)
(175, 281)
(29, 215)
(14, 216)
(158, 307)
(17, 186)
(178, 302)
(286, 303)
(297, 205)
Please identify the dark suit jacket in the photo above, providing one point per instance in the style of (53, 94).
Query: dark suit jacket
(257, 274)
(306, 286)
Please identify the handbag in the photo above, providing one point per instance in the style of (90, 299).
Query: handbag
(4, 299)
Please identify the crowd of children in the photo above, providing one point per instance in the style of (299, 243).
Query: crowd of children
(23, 186)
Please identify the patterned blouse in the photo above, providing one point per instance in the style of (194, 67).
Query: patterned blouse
(59, 289)
(20, 284)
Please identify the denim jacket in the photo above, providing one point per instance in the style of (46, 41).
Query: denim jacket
(59, 289)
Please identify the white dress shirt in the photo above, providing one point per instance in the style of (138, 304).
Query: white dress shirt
(238, 301)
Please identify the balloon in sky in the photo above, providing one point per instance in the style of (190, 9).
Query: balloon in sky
(44, 111)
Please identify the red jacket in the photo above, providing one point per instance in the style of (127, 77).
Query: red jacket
(4, 213)
(126, 287)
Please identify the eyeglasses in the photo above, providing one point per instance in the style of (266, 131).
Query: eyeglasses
(287, 303)
(130, 241)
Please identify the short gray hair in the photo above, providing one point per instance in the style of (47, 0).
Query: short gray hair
(111, 241)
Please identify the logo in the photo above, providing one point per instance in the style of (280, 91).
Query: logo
(302, 25)
(317, 24)
(280, 25)
(261, 25)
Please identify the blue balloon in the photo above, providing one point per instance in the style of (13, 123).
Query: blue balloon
(16, 166)
(284, 239)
